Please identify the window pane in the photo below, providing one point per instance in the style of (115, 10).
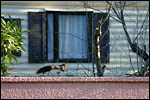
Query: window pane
(50, 36)
(73, 36)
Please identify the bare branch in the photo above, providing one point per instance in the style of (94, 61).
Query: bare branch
(146, 16)
(125, 28)
(114, 10)
(107, 14)
(86, 6)
(86, 73)
(135, 48)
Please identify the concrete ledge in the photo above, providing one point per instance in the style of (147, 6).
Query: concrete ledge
(74, 79)
(74, 88)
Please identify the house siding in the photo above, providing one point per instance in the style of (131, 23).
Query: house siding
(119, 52)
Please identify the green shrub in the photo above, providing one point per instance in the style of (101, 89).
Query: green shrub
(11, 40)
(136, 74)
(132, 74)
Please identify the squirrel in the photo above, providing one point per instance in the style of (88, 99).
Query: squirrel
(51, 67)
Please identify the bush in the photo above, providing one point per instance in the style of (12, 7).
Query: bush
(136, 74)
(11, 40)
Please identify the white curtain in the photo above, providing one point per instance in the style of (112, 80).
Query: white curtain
(73, 36)
(50, 36)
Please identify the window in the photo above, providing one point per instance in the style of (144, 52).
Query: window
(68, 36)
(64, 36)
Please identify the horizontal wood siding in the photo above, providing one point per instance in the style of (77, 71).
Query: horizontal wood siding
(119, 47)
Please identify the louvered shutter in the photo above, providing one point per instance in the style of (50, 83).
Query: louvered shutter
(37, 37)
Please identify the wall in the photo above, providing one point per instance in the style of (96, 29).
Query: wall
(119, 48)
(74, 88)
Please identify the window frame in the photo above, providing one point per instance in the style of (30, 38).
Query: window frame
(56, 36)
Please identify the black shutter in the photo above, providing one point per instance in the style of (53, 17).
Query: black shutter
(16, 53)
(37, 37)
(104, 43)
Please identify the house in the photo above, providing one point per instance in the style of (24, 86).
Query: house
(62, 31)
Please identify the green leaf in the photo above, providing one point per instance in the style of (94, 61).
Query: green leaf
(24, 31)
(2, 26)
(15, 58)
(22, 48)
(3, 21)
(14, 23)
(10, 41)
(23, 38)
(10, 18)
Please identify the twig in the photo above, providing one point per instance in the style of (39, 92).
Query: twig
(86, 73)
